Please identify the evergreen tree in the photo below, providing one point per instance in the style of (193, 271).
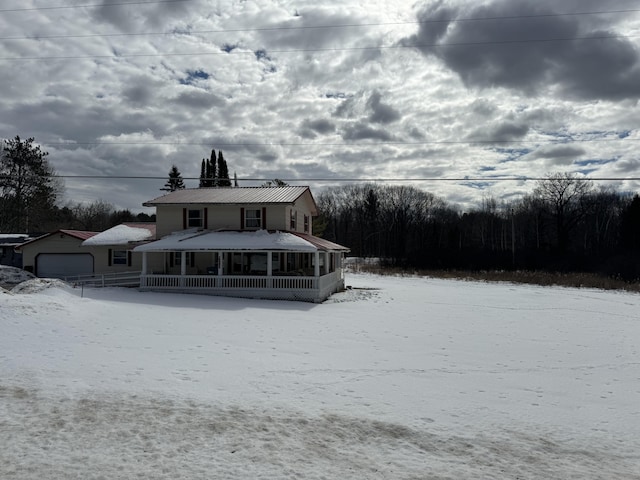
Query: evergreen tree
(203, 174)
(212, 170)
(175, 181)
(28, 186)
(208, 171)
(276, 182)
(223, 171)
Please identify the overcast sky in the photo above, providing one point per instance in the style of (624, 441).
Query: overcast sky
(338, 90)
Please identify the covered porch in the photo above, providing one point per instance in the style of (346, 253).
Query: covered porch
(260, 264)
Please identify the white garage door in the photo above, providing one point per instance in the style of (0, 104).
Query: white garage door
(58, 265)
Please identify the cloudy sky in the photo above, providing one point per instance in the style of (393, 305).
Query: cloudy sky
(326, 92)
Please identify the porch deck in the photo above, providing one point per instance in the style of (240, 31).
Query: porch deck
(308, 289)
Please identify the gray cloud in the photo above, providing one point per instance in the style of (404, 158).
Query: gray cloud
(487, 57)
(130, 18)
(381, 113)
(559, 152)
(504, 132)
(363, 131)
(198, 99)
(320, 125)
(312, 128)
(138, 95)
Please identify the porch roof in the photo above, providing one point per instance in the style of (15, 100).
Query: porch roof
(208, 240)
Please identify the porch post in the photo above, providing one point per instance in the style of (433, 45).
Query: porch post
(183, 263)
(220, 262)
(144, 263)
(316, 264)
(269, 269)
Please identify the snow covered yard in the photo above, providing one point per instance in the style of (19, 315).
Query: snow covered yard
(397, 378)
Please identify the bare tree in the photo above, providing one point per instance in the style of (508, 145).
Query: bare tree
(95, 216)
(565, 195)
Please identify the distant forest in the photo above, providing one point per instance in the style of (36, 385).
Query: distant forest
(564, 225)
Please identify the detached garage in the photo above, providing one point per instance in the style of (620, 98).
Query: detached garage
(58, 254)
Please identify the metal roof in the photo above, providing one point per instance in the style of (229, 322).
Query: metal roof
(321, 243)
(237, 240)
(79, 234)
(233, 196)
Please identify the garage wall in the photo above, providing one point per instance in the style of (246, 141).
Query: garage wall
(53, 244)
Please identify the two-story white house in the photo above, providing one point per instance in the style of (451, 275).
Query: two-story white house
(241, 241)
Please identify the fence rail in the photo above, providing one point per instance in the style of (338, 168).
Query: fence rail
(119, 279)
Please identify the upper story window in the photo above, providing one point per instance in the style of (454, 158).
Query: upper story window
(306, 224)
(194, 219)
(253, 219)
(293, 217)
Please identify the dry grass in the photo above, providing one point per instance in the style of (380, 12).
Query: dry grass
(578, 280)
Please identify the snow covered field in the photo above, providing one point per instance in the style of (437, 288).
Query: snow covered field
(399, 378)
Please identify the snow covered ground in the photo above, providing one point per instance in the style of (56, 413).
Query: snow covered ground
(397, 378)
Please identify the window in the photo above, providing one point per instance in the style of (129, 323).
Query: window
(293, 216)
(118, 257)
(306, 224)
(178, 258)
(252, 219)
(194, 219)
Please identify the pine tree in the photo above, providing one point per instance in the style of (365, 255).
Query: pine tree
(203, 175)
(223, 171)
(175, 181)
(212, 170)
(28, 186)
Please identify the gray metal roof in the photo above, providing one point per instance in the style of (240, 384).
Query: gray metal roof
(232, 196)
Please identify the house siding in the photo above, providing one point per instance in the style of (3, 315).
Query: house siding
(170, 219)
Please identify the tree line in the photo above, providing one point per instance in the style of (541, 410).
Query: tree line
(565, 224)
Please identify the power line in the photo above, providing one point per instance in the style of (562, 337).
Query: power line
(333, 49)
(95, 5)
(562, 141)
(346, 179)
(310, 27)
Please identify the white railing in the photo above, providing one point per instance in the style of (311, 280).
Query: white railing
(118, 279)
(297, 288)
(228, 282)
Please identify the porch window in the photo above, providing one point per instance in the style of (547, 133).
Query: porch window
(177, 258)
(252, 219)
(118, 257)
(195, 219)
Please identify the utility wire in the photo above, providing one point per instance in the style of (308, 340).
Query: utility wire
(312, 27)
(373, 144)
(345, 179)
(95, 5)
(310, 50)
